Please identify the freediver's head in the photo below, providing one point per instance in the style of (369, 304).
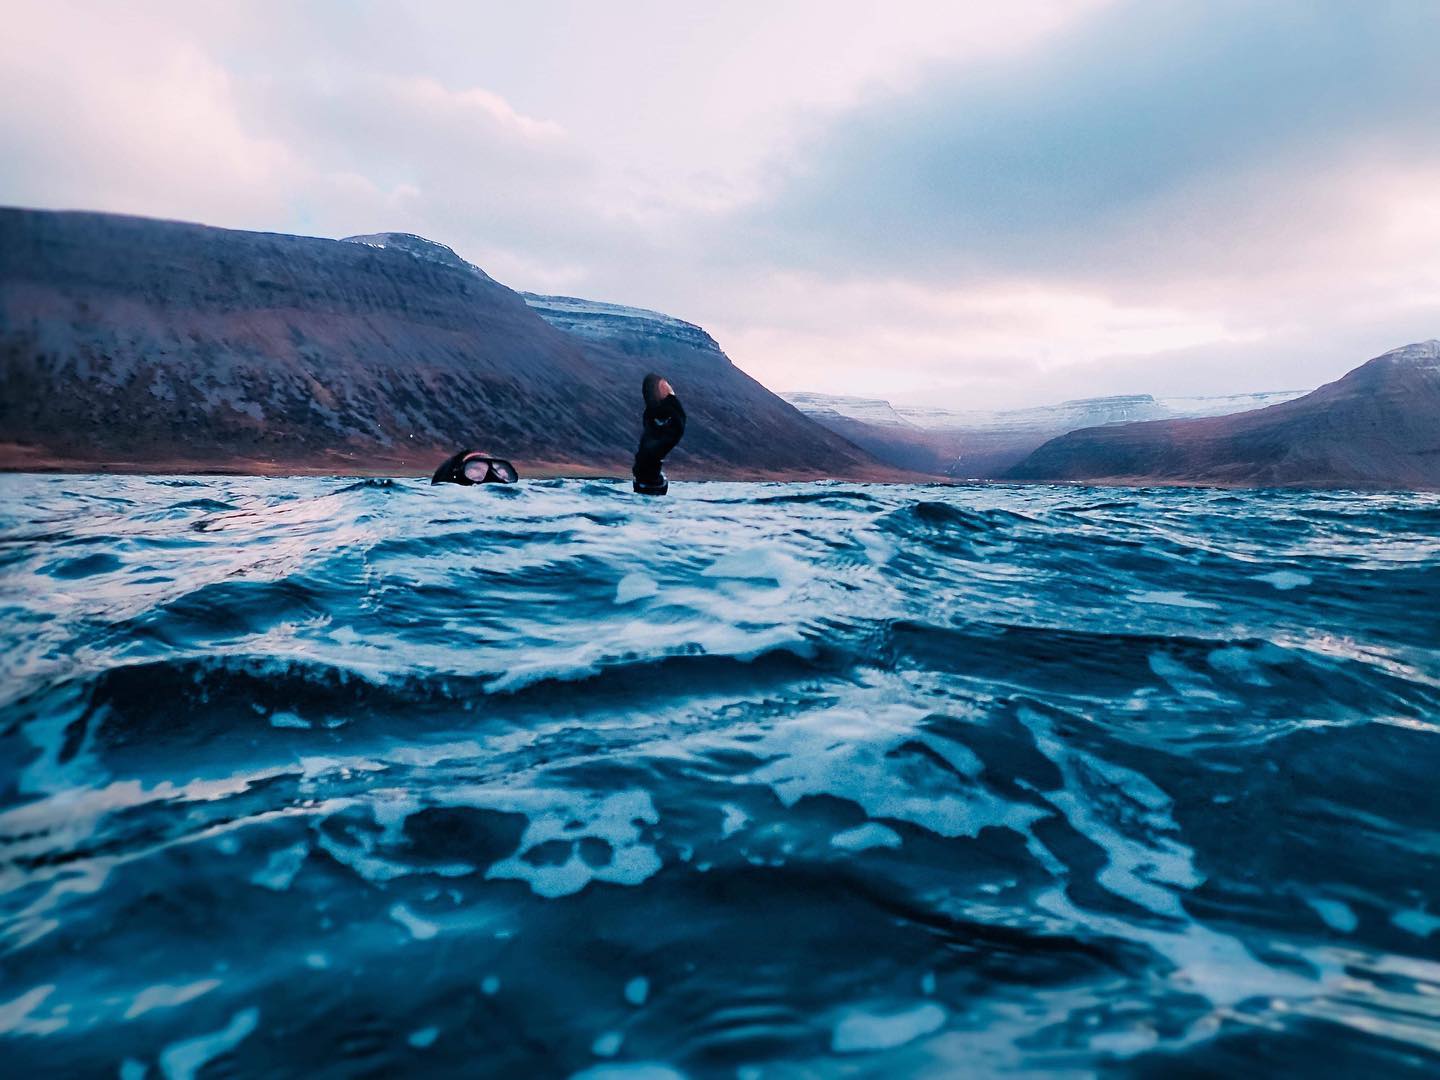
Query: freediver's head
(470, 467)
(656, 389)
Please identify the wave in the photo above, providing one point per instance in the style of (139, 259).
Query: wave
(826, 777)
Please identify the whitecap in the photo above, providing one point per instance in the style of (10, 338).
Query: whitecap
(852, 754)
(635, 586)
(569, 816)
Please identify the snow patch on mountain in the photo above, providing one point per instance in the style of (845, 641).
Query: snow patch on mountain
(1065, 416)
(618, 324)
(869, 410)
(1181, 408)
(419, 247)
(1422, 353)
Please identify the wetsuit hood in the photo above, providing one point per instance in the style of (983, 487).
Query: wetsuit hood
(470, 467)
(651, 389)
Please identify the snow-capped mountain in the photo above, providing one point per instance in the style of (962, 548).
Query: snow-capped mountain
(1379, 426)
(1065, 416)
(865, 410)
(419, 247)
(595, 320)
(127, 342)
(982, 444)
(1225, 404)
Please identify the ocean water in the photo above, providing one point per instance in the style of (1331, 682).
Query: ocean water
(313, 777)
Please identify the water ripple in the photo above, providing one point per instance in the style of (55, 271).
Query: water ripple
(336, 777)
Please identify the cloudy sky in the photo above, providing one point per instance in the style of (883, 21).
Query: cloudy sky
(970, 205)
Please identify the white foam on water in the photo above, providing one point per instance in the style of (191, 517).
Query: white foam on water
(288, 720)
(166, 996)
(1128, 817)
(570, 816)
(735, 820)
(68, 819)
(721, 633)
(1285, 580)
(863, 837)
(64, 821)
(851, 754)
(1182, 680)
(47, 734)
(860, 1030)
(184, 1059)
(635, 586)
(315, 767)
(1146, 863)
(761, 563)
(878, 548)
(424, 1038)
(16, 1016)
(1217, 967)
(359, 859)
(1336, 914)
(282, 867)
(420, 929)
(390, 807)
(637, 990)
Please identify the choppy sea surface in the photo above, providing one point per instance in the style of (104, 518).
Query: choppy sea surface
(311, 777)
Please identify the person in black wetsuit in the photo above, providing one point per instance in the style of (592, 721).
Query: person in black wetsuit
(664, 424)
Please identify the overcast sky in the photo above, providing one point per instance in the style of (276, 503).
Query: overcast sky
(968, 205)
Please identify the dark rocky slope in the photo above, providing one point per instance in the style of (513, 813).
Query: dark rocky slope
(1378, 427)
(133, 343)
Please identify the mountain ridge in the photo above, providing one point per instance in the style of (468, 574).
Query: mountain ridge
(1378, 426)
(132, 342)
(984, 444)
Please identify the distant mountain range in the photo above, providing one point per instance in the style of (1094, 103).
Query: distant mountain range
(129, 343)
(984, 445)
(140, 344)
(1378, 427)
